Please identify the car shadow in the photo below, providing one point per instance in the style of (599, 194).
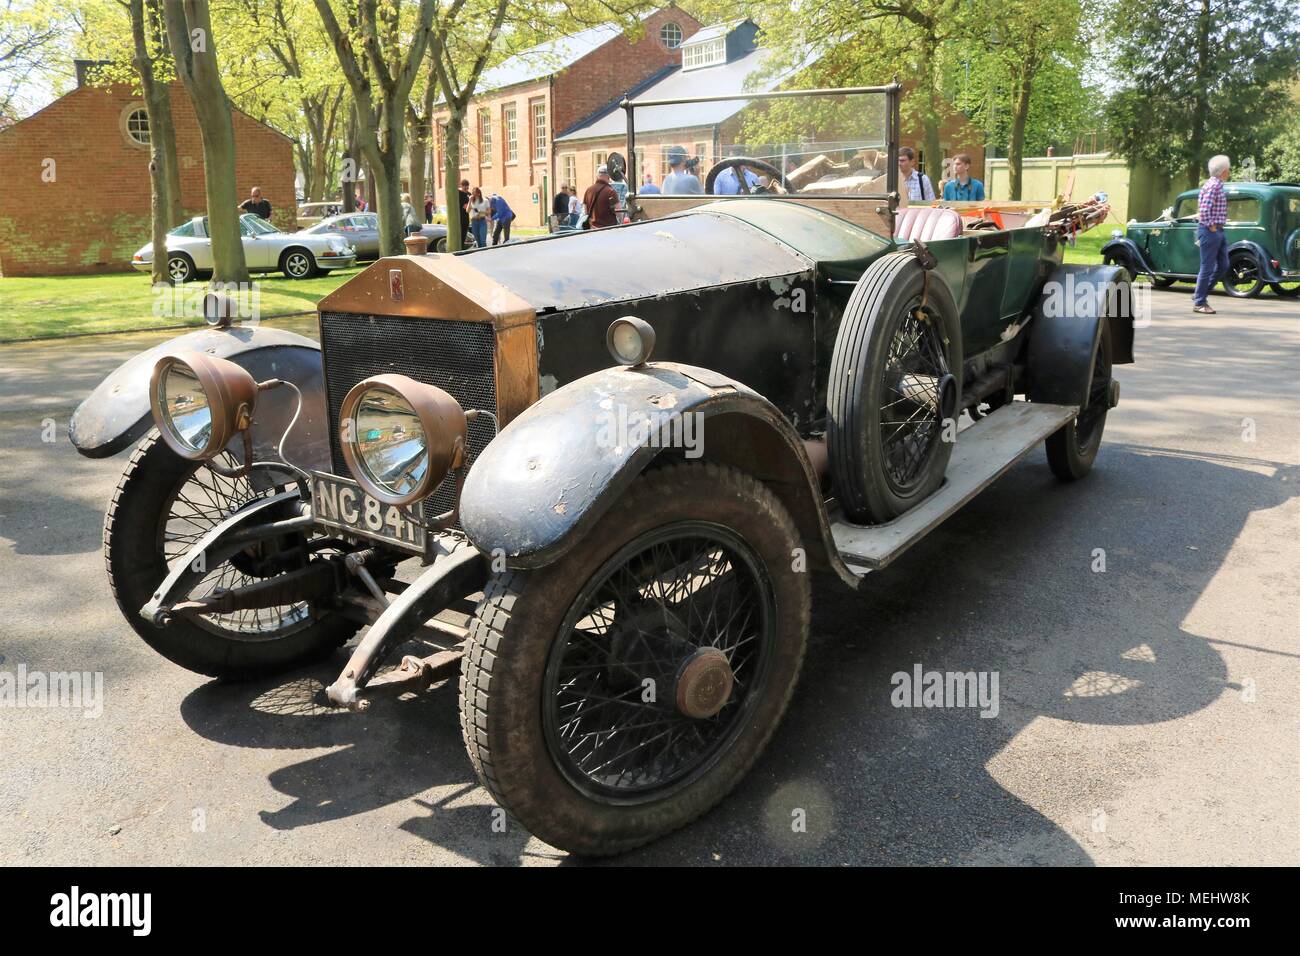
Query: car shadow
(1009, 586)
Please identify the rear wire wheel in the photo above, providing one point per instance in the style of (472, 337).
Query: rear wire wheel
(619, 693)
(162, 506)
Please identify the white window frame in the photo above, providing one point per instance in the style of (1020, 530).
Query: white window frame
(485, 137)
(537, 116)
(705, 53)
(569, 165)
(670, 35)
(510, 120)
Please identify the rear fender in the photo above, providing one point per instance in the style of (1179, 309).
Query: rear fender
(116, 414)
(1262, 257)
(1066, 326)
(539, 486)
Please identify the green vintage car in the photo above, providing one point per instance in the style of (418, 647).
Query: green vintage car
(1263, 235)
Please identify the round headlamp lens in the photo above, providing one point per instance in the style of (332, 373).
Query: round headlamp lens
(630, 340)
(390, 441)
(185, 407)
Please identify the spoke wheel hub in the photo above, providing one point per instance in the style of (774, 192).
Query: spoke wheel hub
(704, 683)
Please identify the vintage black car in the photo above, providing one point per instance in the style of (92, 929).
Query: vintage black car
(615, 456)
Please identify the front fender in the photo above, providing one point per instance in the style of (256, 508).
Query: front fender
(541, 484)
(1125, 248)
(1262, 257)
(116, 414)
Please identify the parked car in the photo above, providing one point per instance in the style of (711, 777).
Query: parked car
(266, 249)
(310, 213)
(1263, 235)
(633, 442)
(362, 230)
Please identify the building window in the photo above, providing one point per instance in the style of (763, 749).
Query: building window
(596, 160)
(570, 163)
(670, 35)
(706, 53)
(539, 130)
(510, 121)
(137, 126)
(485, 137)
(464, 148)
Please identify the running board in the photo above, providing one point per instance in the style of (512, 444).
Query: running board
(983, 454)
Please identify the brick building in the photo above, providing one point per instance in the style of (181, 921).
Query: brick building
(717, 60)
(76, 179)
(522, 104)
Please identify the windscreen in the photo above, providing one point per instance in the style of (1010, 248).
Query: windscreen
(813, 143)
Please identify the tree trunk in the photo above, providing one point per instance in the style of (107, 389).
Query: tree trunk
(351, 163)
(451, 181)
(189, 27)
(162, 131)
(158, 199)
(1016, 148)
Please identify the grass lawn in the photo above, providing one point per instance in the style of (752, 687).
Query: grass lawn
(54, 306)
(1087, 249)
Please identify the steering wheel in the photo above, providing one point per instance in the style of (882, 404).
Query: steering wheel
(736, 162)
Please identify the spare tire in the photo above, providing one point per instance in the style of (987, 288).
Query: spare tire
(895, 378)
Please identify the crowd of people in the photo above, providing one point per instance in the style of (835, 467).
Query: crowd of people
(482, 215)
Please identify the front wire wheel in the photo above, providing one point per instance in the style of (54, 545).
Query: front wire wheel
(162, 506)
(618, 694)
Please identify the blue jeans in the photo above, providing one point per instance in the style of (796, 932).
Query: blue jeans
(479, 228)
(1214, 261)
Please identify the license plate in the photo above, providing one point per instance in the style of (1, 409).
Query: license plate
(344, 504)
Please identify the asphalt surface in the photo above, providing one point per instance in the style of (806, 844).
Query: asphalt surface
(1147, 714)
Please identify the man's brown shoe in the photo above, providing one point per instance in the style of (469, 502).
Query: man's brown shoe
(1204, 310)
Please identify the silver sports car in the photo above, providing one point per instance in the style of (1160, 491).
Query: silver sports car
(362, 230)
(299, 255)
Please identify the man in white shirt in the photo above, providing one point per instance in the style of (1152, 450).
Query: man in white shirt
(913, 183)
(575, 207)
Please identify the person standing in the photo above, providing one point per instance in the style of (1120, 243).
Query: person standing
(678, 181)
(256, 204)
(648, 188)
(575, 207)
(915, 184)
(962, 187)
(560, 207)
(428, 208)
(502, 217)
(464, 212)
(1211, 216)
(478, 208)
(601, 201)
(410, 219)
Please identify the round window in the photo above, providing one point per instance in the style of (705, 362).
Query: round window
(670, 35)
(137, 126)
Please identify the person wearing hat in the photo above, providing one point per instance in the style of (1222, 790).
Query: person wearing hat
(601, 201)
(678, 181)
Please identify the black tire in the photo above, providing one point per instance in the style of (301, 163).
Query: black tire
(1244, 280)
(181, 268)
(297, 263)
(1072, 449)
(521, 638)
(147, 507)
(877, 475)
(1285, 290)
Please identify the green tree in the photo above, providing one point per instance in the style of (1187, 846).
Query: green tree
(1199, 77)
(29, 34)
(194, 50)
(380, 51)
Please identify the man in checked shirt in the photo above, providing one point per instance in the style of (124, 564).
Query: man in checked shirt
(1212, 213)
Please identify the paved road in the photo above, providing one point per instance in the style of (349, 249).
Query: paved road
(1147, 714)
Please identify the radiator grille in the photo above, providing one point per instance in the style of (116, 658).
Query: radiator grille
(454, 355)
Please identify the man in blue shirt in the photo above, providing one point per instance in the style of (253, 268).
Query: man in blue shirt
(728, 183)
(502, 215)
(649, 188)
(963, 188)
